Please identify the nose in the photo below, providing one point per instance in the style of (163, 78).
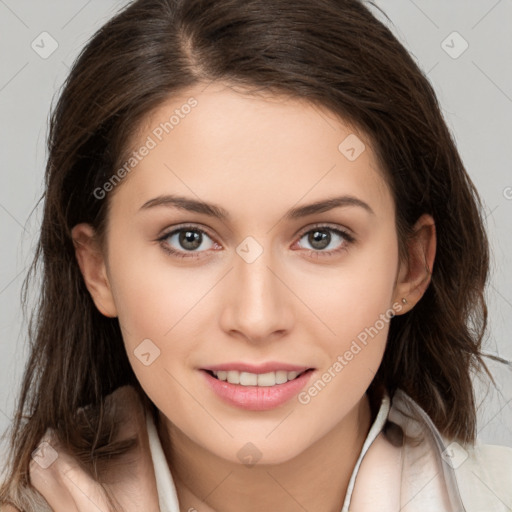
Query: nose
(257, 304)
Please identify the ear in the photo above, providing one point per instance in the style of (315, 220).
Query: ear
(414, 275)
(92, 265)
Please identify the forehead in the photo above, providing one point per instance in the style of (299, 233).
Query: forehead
(223, 144)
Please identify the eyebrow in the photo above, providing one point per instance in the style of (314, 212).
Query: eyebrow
(212, 210)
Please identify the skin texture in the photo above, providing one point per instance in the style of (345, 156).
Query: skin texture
(256, 157)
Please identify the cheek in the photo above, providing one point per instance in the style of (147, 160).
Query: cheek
(357, 311)
(150, 293)
(351, 299)
(162, 311)
(355, 306)
(158, 321)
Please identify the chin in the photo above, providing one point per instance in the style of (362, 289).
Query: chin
(251, 453)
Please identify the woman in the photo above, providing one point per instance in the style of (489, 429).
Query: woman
(263, 275)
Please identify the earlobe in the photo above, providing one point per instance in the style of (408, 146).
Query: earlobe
(415, 274)
(92, 265)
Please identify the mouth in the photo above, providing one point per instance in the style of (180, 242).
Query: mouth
(268, 379)
(257, 391)
(257, 387)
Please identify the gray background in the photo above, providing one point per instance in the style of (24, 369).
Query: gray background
(474, 89)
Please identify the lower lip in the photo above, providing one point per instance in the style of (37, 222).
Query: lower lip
(257, 398)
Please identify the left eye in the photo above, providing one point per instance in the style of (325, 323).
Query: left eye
(321, 237)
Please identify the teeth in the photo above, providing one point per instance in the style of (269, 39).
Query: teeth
(231, 376)
(267, 379)
(248, 379)
(281, 377)
(253, 379)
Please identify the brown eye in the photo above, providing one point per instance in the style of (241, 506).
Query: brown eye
(190, 240)
(322, 237)
(186, 239)
(319, 238)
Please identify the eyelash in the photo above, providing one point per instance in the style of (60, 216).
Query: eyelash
(348, 239)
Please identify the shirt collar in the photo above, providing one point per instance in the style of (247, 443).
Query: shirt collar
(375, 430)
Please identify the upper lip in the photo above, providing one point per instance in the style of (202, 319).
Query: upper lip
(271, 366)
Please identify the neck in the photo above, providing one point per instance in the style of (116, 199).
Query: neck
(316, 479)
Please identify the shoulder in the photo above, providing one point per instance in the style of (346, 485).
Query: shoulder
(477, 477)
(484, 475)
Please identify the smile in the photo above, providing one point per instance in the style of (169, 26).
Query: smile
(256, 379)
(256, 391)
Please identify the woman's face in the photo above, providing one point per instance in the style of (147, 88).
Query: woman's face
(271, 282)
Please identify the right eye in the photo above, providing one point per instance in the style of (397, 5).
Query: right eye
(187, 239)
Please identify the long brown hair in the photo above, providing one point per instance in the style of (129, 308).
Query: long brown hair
(333, 53)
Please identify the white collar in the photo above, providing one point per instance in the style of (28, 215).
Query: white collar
(375, 430)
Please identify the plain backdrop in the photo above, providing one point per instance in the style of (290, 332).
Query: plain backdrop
(464, 46)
